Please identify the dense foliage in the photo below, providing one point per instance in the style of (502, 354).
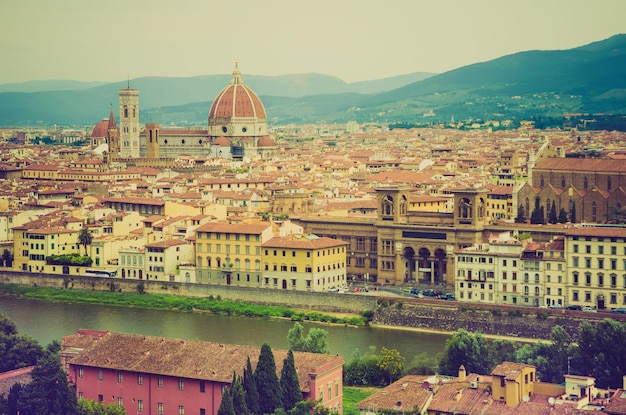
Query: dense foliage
(316, 340)
(69, 259)
(267, 383)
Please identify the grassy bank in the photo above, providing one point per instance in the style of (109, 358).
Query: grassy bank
(170, 302)
(353, 395)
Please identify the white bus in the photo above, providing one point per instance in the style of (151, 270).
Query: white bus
(100, 273)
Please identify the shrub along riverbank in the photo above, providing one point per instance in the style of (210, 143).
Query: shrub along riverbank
(169, 302)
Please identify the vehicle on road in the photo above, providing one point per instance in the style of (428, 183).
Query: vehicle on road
(589, 309)
(556, 306)
(574, 307)
(619, 310)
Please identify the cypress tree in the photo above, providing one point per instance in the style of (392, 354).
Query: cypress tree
(238, 396)
(252, 394)
(226, 407)
(289, 383)
(267, 382)
(552, 216)
(562, 216)
(49, 392)
(572, 213)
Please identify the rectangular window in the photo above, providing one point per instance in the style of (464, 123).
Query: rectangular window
(600, 249)
(202, 411)
(575, 248)
(575, 261)
(160, 382)
(120, 377)
(81, 372)
(575, 296)
(181, 384)
(139, 379)
(99, 374)
(139, 405)
(160, 408)
(120, 402)
(100, 398)
(181, 410)
(201, 386)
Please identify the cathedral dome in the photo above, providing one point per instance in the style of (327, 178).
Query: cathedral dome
(236, 101)
(266, 141)
(101, 130)
(222, 141)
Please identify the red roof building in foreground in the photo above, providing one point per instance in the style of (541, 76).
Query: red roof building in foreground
(157, 375)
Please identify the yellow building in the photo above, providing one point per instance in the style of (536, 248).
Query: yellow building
(304, 262)
(231, 254)
(596, 267)
(35, 244)
(513, 382)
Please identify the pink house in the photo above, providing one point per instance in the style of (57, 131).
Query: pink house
(157, 376)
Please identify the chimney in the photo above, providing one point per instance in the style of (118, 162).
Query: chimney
(462, 373)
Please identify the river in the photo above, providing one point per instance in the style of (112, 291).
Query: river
(47, 321)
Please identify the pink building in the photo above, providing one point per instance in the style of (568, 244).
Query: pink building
(158, 376)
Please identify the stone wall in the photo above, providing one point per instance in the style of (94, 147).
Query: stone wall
(509, 321)
(402, 312)
(331, 302)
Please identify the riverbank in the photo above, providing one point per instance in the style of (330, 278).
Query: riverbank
(215, 305)
(450, 333)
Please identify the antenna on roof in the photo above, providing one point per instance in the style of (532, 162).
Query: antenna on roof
(128, 82)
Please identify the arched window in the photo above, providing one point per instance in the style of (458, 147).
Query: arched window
(527, 207)
(140, 261)
(594, 212)
(125, 111)
(585, 182)
(563, 182)
(542, 182)
(465, 209)
(608, 183)
(387, 205)
(247, 264)
(526, 290)
(237, 263)
(536, 291)
(199, 262)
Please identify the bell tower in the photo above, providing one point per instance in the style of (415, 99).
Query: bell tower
(113, 138)
(129, 122)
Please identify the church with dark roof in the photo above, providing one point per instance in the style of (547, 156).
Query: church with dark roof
(236, 128)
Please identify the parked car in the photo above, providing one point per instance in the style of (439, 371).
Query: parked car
(556, 306)
(619, 310)
(589, 309)
(574, 307)
(415, 291)
(429, 293)
(450, 297)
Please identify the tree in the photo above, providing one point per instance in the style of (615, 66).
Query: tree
(267, 383)
(7, 326)
(289, 383)
(424, 364)
(363, 369)
(552, 218)
(85, 238)
(226, 406)
(391, 362)
(469, 350)
(616, 215)
(315, 342)
(572, 213)
(17, 351)
(521, 215)
(238, 395)
(249, 385)
(537, 216)
(307, 407)
(562, 216)
(89, 407)
(48, 393)
(7, 258)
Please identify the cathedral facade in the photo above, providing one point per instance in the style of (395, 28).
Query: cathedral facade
(236, 128)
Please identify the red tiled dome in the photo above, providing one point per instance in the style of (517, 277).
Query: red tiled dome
(237, 100)
(101, 129)
(222, 141)
(266, 141)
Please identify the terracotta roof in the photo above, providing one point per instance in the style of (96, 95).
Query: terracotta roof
(236, 101)
(406, 394)
(590, 165)
(604, 231)
(509, 370)
(190, 359)
(10, 378)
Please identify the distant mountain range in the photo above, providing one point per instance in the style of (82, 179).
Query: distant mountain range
(525, 85)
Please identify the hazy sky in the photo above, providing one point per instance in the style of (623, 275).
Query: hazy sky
(110, 40)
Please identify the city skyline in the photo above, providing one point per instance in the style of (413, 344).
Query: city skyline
(352, 40)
